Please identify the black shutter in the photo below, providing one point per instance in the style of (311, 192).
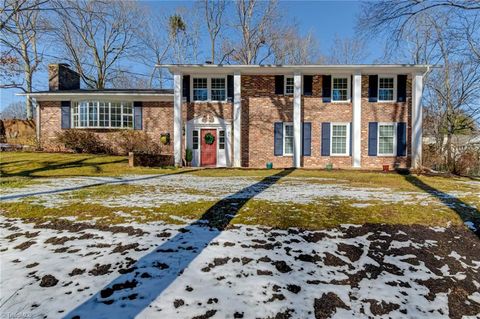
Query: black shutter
(401, 88)
(65, 114)
(137, 115)
(230, 87)
(278, 139)
(372, 138)
(307, 85)
(186, 87)
(325, 139)
(327, 88)
(351, 88)
(373, 88)
(401, 139)
(307, 139)
(279, 84)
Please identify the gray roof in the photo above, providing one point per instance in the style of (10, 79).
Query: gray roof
(124, 91)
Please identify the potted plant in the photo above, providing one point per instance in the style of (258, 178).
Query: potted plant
(188, 156)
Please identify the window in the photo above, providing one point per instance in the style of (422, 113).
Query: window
(200, 89)
(195, 140)
(221, 140)
(340, 136)
(287, 139)
(101, 114)
(289, 85)
(339, 89)
(386, 88)
(386, 139)
(218, 89)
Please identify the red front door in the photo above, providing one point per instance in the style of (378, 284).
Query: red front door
(208, 151)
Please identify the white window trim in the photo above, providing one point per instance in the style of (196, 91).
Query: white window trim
(97, 104)
(209, 87)
(285, 85)
(394, 139)
(349, 98)
(283, 137)
(394, 87)
(347, 148)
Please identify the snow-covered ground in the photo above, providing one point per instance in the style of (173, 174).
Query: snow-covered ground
(62, 269)
(183, 188)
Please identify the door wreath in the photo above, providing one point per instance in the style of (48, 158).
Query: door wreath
(209, 138)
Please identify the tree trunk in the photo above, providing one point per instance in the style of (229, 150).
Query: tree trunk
(450, 164)
(28, 102)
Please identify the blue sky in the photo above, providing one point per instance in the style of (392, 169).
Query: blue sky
(323, 18)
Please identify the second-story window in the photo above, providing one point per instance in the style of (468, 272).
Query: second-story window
(218, 89)
(289, 85)
(200, 89)
(386, 87)
(339, 89)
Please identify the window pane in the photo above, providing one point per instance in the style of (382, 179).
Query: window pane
(289, 86)
(385, 89)
(339, 139)
(116, 114)
(92, 114)
(385, 139)
(104, 114)
(218, 89)
(340, 89)
(288, 139)
(195, 140)
(200, 91)
(83, 114)
(221, 140)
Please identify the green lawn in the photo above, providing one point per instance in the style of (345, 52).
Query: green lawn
(24, 169)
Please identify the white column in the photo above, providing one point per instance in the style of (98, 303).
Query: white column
(237, 120)
(417, 90)
(177, 118)
(297, 120)
(357, 120)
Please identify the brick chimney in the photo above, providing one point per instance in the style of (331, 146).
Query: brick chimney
(61, 77)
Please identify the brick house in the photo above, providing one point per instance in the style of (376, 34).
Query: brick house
(352, 116)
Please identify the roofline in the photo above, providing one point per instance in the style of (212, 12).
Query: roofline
(60, 96)
(292, 68)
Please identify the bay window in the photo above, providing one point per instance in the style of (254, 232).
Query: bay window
(102, 114)
(386, 138)
(339, 139)
(339, 89)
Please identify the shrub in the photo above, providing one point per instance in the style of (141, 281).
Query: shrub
(137, 142)
(82, 142)
(188, 155)
(468, 163)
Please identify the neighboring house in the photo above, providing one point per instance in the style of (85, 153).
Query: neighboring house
(360, 116)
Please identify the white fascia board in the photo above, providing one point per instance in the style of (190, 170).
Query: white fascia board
(291, 69)
(57, 96)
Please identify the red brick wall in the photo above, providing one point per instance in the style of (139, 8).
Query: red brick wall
(157, 119)
(261, 108)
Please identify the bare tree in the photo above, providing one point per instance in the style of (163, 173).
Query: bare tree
(294, 48)
(10, 8)
(256, 28)
(214, 14)
(398, 14)
(440, 34)
(184, 36)
(96, 36)
(347, 51)
(15, 110)
(19, 39)
(154, 46)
